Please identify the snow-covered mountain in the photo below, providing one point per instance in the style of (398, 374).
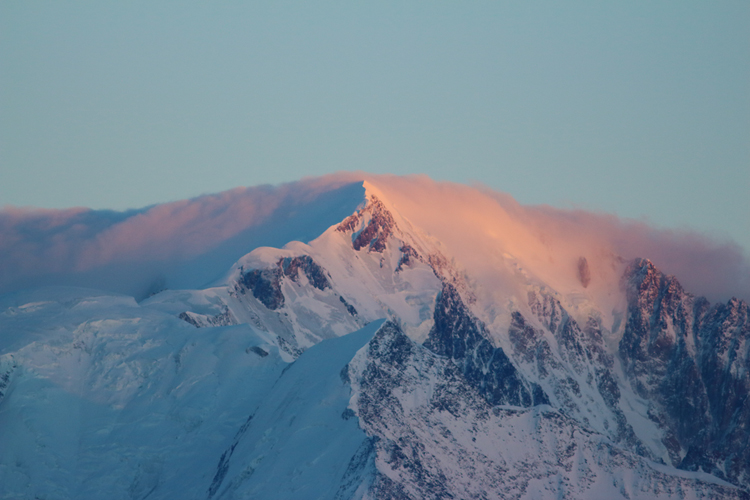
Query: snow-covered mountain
(432, 343)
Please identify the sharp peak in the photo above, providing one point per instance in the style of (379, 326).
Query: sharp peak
(640, 263)
(640, 267)
(372, 191)
(374, 199)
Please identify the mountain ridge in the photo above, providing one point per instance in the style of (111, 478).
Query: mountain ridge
(571, 380)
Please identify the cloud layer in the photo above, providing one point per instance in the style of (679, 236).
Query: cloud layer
(188, 243)
(181, 244)
(479, 226)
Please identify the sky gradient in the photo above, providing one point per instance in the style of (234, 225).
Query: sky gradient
(641, 109)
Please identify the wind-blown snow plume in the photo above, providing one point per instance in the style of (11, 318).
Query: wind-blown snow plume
(188, 243)
(480, 225)
(180, 244)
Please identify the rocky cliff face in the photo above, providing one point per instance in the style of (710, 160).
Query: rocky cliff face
(690, 361)
(435, 435)
(265, 284)
(464, 339)
(370, 227)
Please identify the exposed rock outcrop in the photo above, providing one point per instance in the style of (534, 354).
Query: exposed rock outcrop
(265, 284)
(370, 227)
(461, 337)
(690, 359)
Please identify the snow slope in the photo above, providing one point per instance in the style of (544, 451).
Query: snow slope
(103, 398)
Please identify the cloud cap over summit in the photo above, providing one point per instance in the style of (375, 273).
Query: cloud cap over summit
(189, 243)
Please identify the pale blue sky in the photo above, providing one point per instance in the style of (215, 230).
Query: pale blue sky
(638, 108)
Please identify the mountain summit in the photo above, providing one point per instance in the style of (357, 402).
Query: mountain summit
(435, 341)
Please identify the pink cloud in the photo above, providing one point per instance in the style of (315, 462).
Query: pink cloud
(123, 251)
(479, 224)
(61, 246)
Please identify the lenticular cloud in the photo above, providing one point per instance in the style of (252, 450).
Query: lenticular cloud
(189, 243)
